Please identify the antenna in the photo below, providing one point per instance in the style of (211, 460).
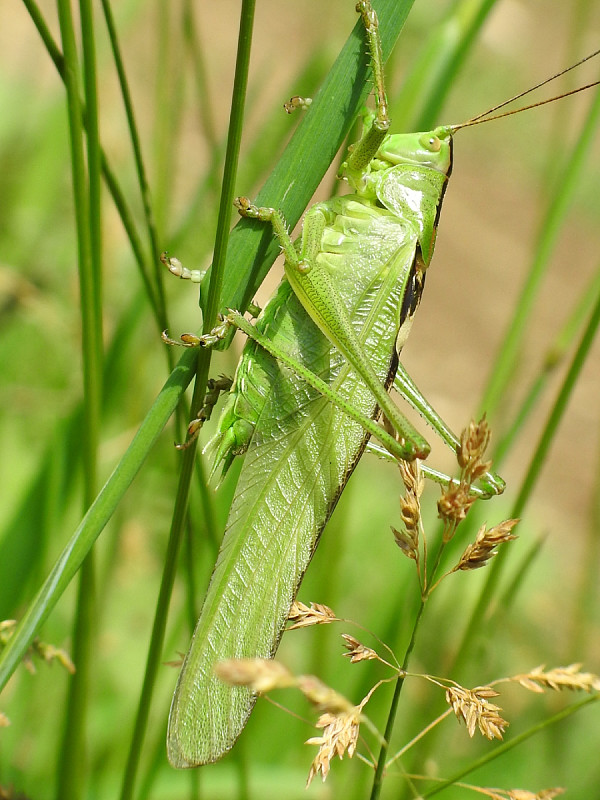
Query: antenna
(483, 117)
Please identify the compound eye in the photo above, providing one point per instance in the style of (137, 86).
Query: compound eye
(430, 142)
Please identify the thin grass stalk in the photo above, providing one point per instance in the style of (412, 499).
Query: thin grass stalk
(99, 514)
(581, 20)
(553, 358)
(519, 574)
(188, 460)
(536, 464)
(168, 104)
(140, 168)
(389, 726)
(425, 87)
(155, 648)
(109, 175)
(556, 414)
(556, 212)
(471, 19)
(582, 635)
(72, 754)
(38, 516)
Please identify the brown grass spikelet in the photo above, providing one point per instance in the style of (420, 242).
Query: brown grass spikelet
(258, 674)
(176, 663)
(474, 708)
(453, 506)
(340, 735)
(410, 509)
(412, 477)
(570, 677)
(357, 651)
(407, 543)
(544, 794)
(457, 498)
(47, 652)
(478, 553)
(50, 653)
(473, 444)
(322, 696)
(4, 721)
(303, 616)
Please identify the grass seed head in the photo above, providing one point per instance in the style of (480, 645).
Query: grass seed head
(357, 651)
(457, 498)
(477, 555)
(340, 735)
(47, 652)
(474, 708)
(324, 697)
(407, 539)
(473, 444)
(303, 616)
(407, 542)
(453, 507)
(538, 680)
(412, 476)
(258, 674)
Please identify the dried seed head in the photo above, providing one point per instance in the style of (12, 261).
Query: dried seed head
(453, 506)
(412, 477)
(357, 651)
(473, 444)
(538, 680)
(316, 614)
(4, 721)
(407, 539)
(407, 543)
(340, 735)
(50, 653)
(474, 708)
(545, 794)
(45, 651)
(410, 512)
(483, 548)
(323, 696)
(258, 674)
(176, 662)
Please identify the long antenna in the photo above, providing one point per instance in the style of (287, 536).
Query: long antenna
(480, 117)
(478, 120)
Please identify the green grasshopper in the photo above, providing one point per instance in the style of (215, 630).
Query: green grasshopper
(308, 391)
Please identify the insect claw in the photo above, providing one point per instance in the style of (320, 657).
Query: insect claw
(193, 430)
(184, 341)
(297, 102)
(245, 208)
